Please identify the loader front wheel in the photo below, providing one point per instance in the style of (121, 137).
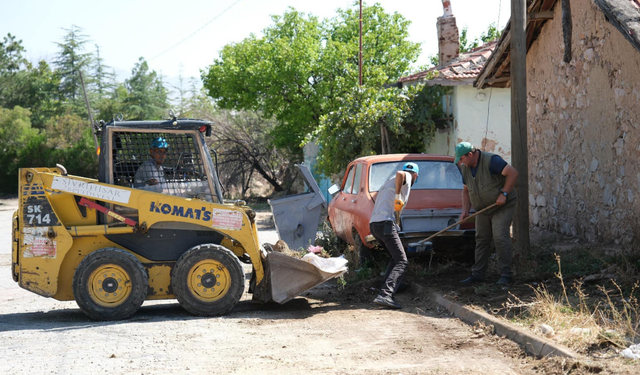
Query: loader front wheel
(110, 284)
(208, 280)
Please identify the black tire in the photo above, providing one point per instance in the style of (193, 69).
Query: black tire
(110, 284)
(208, 280)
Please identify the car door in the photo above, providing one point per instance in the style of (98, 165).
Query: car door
(342, 205)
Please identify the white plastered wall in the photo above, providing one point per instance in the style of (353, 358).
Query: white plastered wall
(471, 109)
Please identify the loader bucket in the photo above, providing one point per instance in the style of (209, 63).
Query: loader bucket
(288, 277)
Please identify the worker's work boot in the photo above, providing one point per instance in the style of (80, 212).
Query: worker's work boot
(504, 280)
(387, 302)
(471, 280)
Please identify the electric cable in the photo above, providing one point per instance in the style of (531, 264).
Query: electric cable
(193, 33)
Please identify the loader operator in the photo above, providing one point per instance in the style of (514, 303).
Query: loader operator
(391, 199)
(150, 172)
(488, 179)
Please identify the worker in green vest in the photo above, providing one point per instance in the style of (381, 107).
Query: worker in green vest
(488, 179)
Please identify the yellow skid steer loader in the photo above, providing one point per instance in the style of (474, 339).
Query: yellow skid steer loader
(153, 226)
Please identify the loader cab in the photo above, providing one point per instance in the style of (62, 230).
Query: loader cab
(186, 170)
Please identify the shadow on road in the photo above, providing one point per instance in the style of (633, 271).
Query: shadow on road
(73, 318)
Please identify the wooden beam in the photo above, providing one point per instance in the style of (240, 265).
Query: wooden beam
(494, 59)
(567, 27)
(530, 31)
(498, 80)
(547, 5)
(505, 64)
(548, 15)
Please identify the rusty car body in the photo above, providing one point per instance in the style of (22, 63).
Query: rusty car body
(435, 202)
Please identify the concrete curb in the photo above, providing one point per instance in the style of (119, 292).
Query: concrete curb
(531, 343)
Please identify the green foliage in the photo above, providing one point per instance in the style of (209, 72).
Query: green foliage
(65, 131)
(329, 240)
(80, 158)
(298, 71)
(147, 96)
(70, 61)
(109, 107)
(198, 104)
(355, 128)
(103, 80)
(35, 88)
(15, 133)
(491, 34)
(24, 85)
(11, 58)
(465, 44)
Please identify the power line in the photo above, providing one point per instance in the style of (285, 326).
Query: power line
(486, 130)
(193, 33)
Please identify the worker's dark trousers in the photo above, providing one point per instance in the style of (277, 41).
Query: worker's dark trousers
(496, 228)
(386, 233)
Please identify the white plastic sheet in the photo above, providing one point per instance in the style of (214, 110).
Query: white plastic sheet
(632, 352)
(329, 265)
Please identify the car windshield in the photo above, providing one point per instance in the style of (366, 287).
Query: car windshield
(433, 175)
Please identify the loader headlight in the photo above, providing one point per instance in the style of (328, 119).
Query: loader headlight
(251, 214)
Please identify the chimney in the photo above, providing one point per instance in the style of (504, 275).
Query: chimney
(448, 35)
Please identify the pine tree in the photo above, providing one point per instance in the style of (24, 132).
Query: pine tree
(70, 61)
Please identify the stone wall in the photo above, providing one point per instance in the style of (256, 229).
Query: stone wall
(584, 137)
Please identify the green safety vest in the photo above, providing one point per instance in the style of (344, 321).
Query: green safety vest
(485, 187)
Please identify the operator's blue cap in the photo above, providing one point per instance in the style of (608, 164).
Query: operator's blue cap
(412, 167)
(159, 143)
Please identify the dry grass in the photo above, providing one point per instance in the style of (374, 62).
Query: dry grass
(581, 322)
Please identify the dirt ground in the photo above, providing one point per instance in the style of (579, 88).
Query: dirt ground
(577, 258)
(325, 331)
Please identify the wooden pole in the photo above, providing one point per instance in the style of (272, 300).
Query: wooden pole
(86, 100)
(360, 54)
(519, 145)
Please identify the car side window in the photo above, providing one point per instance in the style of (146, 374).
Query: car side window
(347, 185)
(356, 180)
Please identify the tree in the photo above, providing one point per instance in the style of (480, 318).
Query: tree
(22, 84)
(11, 58)
(65, 131)
(15, 132)
(38, 91)
(246, 149)
(108, 108)
(465, 44)
(298, 71)
(147, 96)
(197, 103)
(70, 61)
(103, 77)
(374, 121)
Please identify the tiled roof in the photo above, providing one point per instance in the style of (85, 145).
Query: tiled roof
(461, 70)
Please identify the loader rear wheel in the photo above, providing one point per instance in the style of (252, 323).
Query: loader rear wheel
(208, 280)
(110, 284)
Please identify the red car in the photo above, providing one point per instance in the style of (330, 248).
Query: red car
(434, 204)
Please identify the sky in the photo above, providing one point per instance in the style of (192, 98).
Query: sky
(180, 38)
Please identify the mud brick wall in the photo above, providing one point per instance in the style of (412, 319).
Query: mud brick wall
(584, 130)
